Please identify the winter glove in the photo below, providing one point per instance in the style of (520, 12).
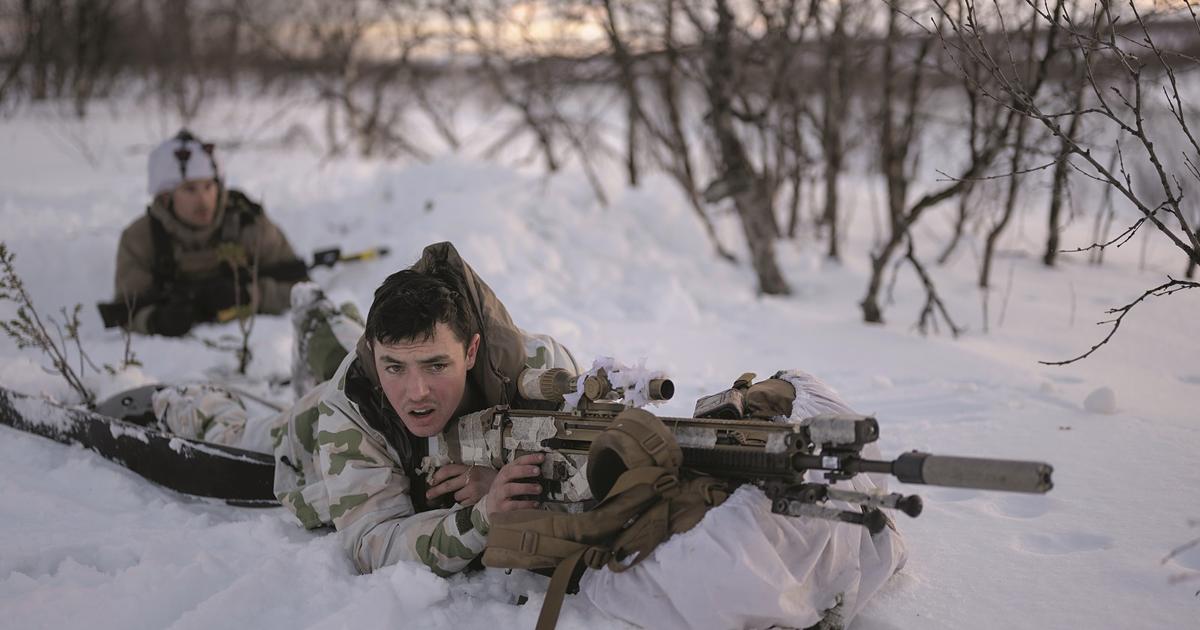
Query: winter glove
(171, 319)
(220, 293)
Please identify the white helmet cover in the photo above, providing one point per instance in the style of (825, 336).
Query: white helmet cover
(182, 158)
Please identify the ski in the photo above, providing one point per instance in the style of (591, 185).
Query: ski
(202, 469)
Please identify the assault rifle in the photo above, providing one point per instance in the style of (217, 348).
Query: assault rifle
(118, 313)
(774, 456)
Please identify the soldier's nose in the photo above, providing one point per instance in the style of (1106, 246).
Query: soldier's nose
(418, 389)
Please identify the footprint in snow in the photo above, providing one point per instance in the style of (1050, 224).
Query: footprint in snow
(1063, 543)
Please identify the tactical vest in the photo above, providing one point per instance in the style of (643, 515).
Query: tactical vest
(240, 212)
(645, 497)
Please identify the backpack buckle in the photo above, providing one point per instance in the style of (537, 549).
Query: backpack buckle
(653, 444)
(529, 542)
(665, 483)
(596, 557)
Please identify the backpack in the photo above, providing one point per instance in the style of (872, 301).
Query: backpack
(634, 470)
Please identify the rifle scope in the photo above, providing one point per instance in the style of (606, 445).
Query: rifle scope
(554, 384)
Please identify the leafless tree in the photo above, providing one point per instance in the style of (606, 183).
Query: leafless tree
(1030, 69)
(904, 86)
(64, 49)
(839, 34)
(728, 98)
(627, 68)
(657, 82)
(543, 79)
(361, 56)
(1124, 68)
(1074, 85)
(743, 63)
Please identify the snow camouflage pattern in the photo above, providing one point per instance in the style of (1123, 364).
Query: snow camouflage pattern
(333, 468)
(201, 412)
(323, 335)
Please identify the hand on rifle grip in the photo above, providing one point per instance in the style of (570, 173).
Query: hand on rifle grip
(512, 482)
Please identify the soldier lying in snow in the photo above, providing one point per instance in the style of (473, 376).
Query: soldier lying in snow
(438, 344)
(175, 264)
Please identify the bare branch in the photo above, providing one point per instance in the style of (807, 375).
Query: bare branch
(1165, 289)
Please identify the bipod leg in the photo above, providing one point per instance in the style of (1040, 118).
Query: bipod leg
(909, 504)
(872, 518)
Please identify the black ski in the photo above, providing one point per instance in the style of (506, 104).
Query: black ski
(203, 469)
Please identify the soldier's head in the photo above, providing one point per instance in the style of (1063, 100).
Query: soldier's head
(424, 341)
(185, 170)
(195, 202)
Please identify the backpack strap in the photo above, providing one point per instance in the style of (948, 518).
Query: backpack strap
(634, 469)
(239, 213)
(640, 486)
(165, 269)
(567, 572)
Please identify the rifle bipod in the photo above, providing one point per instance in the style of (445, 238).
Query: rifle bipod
(804, 500)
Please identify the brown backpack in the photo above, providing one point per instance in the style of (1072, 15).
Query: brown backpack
(634, 469)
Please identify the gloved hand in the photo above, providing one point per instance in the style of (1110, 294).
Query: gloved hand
(214, 295)
(172, 319)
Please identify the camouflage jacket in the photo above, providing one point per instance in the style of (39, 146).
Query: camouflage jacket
(343, 457)
(194, 252)
(335, 467)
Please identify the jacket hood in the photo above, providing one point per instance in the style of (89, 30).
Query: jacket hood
(501, 355)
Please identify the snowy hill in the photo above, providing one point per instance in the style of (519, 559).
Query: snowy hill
(86, 544)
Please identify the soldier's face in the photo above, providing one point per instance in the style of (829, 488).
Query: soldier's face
(195, 202)
(425, 380)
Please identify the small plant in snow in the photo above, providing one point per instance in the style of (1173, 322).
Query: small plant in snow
(235, 258)
(28, 330)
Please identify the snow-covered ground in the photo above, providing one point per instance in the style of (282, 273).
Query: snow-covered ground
(87, 544)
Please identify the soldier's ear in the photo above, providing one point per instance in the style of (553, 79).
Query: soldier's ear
(472, 350)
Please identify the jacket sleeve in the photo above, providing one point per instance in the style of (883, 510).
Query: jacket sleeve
(370, 505)
(271, 247)
(134, 277)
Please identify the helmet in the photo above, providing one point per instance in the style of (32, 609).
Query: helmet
(182, 158)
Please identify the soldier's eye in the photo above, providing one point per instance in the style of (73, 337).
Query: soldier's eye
(438, 367)
(394, 369)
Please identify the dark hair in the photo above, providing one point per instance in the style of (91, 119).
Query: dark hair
(410, 304)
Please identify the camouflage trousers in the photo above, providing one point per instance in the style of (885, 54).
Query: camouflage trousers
(324, 335)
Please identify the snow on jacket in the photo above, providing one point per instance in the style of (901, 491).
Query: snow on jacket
(238, 220)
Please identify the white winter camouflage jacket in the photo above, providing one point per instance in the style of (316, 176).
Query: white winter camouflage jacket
(344, 459)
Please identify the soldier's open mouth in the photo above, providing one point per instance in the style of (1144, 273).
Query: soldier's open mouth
(420, 413)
